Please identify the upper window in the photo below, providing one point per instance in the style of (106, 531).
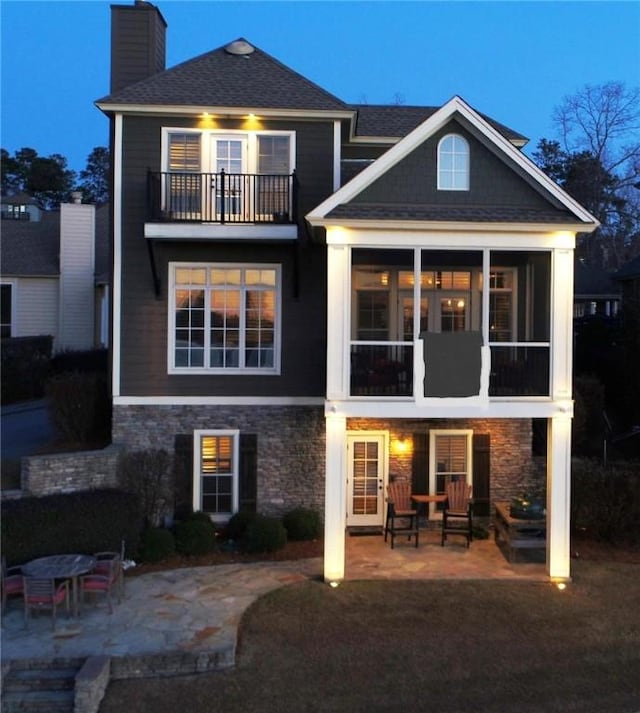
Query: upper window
(225, 318)
(453, 163)
(184, 152)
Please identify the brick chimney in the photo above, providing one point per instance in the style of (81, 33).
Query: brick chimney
(137, 43)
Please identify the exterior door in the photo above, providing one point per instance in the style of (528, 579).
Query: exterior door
(229, 156)
(367, 458)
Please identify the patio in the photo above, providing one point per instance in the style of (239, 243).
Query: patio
(369, 557)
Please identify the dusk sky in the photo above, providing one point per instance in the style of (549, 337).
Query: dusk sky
(514, 61)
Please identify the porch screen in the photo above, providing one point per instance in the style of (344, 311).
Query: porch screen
(453, 362)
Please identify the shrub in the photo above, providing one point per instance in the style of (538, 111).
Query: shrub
(84, 522)
(264, 534)
(26, 365)
(149, 475)
(156, 544)
(237, 525)
(195, 537)
(605, 500)
(302, 524)
(79, 407)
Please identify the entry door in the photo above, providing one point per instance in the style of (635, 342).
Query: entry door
(366, 479)
(229, 155)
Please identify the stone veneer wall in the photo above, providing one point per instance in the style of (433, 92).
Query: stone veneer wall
(68, 472)
(291, 444)
(513, 467)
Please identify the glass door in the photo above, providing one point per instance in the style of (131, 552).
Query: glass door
(366, 480)
(229, 155)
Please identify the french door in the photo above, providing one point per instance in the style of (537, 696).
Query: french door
(229, 154)
(367, 479)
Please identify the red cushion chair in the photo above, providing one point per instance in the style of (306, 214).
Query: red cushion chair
(42, 594)
(12, 584)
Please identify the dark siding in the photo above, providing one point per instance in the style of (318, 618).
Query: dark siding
(144, 317)
(413, 181)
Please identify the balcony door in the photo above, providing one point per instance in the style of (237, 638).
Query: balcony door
(366, 479)
(229, 155)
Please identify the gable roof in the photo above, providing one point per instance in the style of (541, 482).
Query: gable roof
(390, 120)
(220, 78)
(337, 204)
(592, 281)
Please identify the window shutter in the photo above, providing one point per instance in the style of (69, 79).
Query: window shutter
(248, 474)
(420, 464)
(183, 474)
(481, 470)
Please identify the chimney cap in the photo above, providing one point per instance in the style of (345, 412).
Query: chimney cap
(76, 196)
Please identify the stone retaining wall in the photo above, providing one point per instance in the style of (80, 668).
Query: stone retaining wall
(67, 472)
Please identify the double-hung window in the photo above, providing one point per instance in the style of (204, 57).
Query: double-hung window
(215, 476)
(224, 318)
(453, 163)
(450, 459)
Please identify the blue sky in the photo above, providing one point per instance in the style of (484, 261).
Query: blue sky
(514, 61)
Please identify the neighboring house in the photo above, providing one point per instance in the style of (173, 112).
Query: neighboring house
(299, 338)
(54, 277)
(629, 278)
(595, 292)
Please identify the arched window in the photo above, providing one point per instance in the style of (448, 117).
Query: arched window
(453, 163)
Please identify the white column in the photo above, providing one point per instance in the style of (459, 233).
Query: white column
(559, 497)
(338, 304)
(335, 506)
(562, 325)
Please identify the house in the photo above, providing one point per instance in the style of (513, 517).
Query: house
(595, 292)
(628, 276)
(313, 298)
(54, 273)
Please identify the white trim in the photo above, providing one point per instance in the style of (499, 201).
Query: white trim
(198, 433)
(264, 232)
(533, 407)
(390, 158)
(337, 154)
(441, 225)
(274, 401)
(221, 111)
(117, 255)
(458, 239)
(223, 371)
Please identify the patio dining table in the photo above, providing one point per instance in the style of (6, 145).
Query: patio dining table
(61, 567)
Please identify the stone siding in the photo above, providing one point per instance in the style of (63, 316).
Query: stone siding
(291, 444)
(68, 472)
(514, 469)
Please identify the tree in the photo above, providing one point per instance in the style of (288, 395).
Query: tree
(47, 179)
(95, 177)
(598, 162)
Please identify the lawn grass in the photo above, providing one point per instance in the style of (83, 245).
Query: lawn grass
(436, 646)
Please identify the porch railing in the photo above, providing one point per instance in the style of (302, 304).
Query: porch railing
(386, 369)
(222, 198)
(519, 370)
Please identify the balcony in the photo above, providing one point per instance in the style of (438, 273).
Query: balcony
(222, 198)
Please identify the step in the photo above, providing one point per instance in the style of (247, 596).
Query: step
(51, 679)
(38, 702)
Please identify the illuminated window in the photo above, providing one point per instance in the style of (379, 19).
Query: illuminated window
(453, 163)
(450, 459)
(215, 482)
(225, 318)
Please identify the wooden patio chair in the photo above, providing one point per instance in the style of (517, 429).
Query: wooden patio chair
(12, 582)
(41, 594)
(104, 566)
(105, 581)
(401, 508)
(456, 515)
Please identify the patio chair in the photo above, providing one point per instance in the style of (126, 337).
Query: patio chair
(12, 584)
(104, 566)
(104, 582)
(456, 515)
(402, 516)
(42, 594)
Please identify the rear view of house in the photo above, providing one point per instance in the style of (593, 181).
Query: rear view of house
(312, 298)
